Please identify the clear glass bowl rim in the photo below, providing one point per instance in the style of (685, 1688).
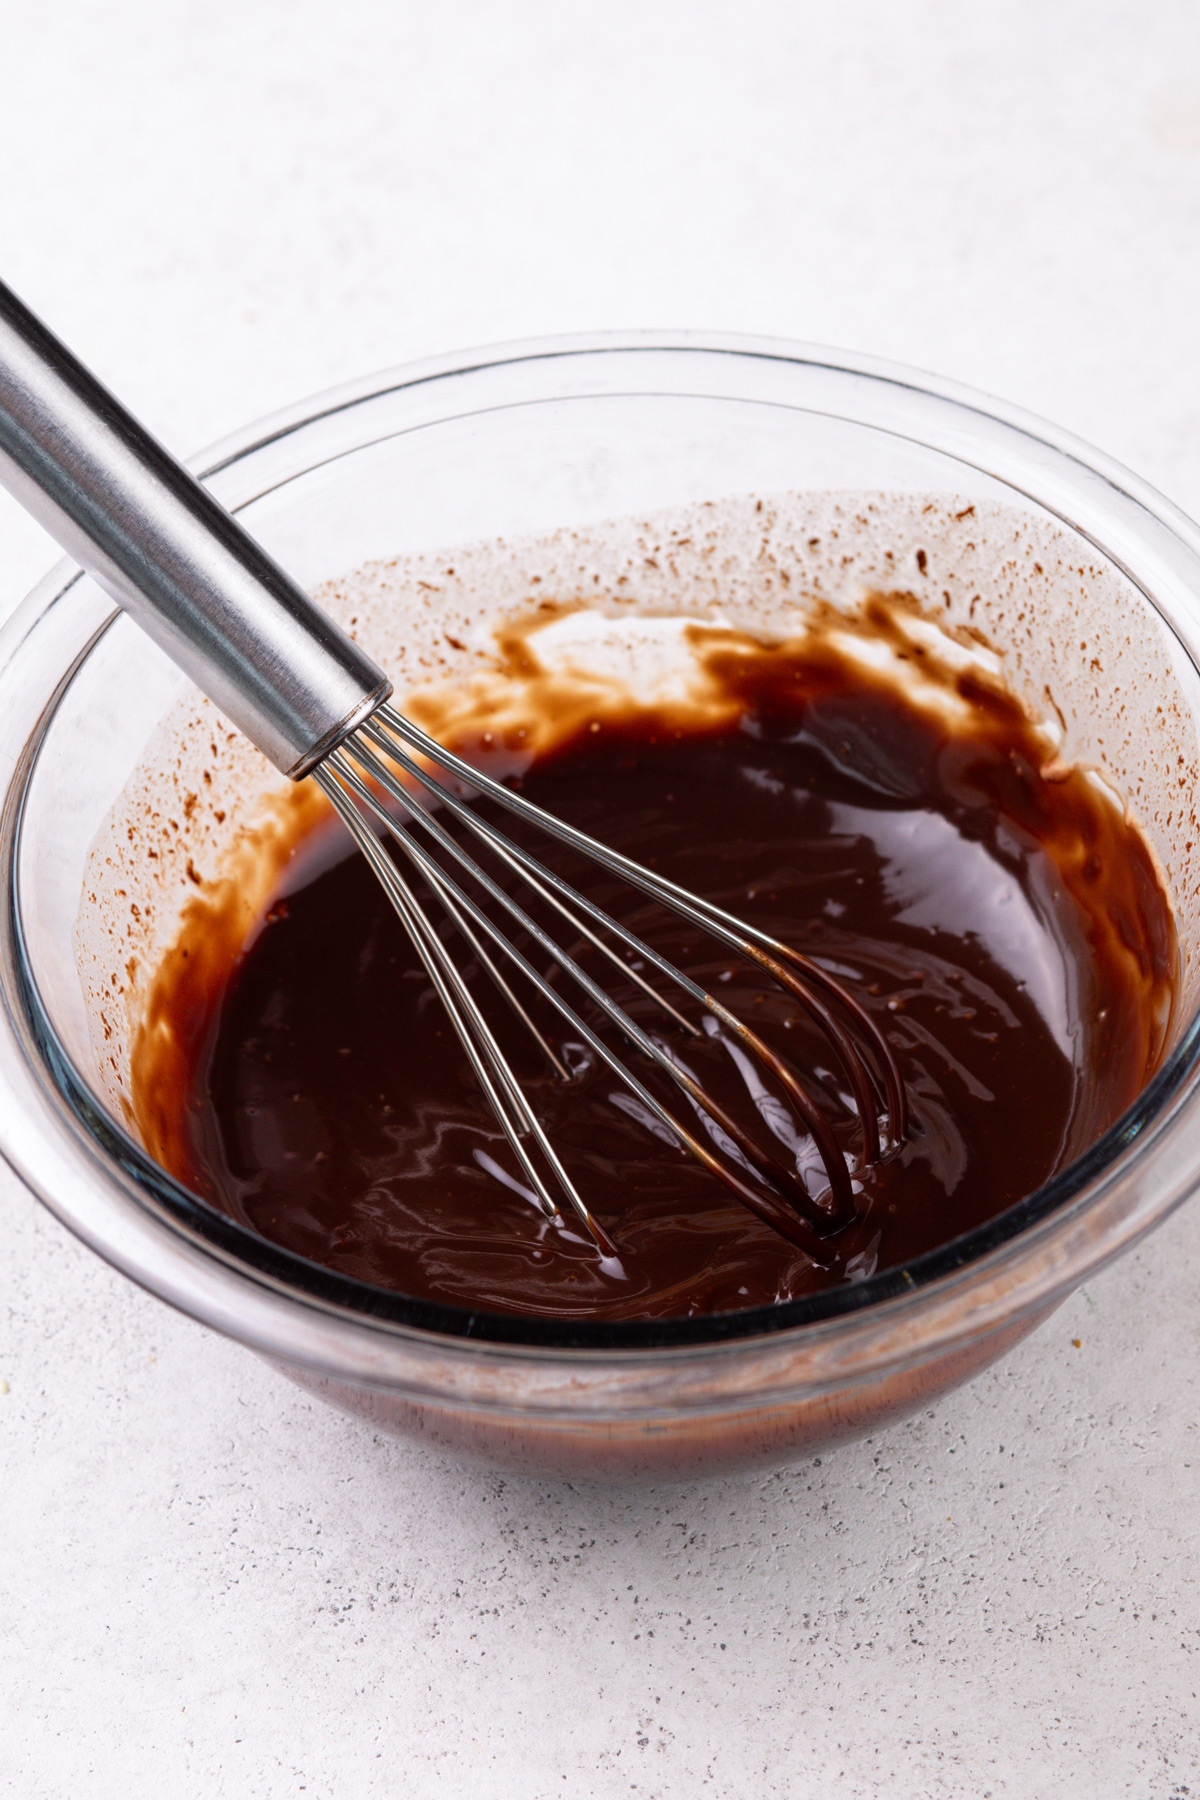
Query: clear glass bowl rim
(293, 1282)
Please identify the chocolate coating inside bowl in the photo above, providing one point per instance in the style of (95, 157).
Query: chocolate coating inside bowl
(992, 907)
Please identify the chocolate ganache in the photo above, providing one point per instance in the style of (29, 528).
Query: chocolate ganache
(901, 818)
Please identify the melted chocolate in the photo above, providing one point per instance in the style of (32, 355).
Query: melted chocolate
(995, 911)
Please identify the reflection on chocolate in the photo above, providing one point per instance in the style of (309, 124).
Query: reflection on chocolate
(992, 907)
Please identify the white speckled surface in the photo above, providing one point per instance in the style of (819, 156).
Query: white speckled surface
(210, 1585)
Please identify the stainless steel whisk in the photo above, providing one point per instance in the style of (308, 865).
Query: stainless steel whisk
(310, 699)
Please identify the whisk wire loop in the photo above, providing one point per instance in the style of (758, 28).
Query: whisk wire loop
(799, 1229)
(785, 1178)
(780, 1217)
(539, 877)
(387, 725)
(358, 772)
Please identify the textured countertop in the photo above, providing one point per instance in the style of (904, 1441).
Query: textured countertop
(211, 1585)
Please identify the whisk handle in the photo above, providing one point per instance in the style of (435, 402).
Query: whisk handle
(171, 555)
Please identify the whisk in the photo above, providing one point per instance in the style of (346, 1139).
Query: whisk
(317, 706)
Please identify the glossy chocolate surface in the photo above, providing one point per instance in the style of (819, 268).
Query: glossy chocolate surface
(992, 908)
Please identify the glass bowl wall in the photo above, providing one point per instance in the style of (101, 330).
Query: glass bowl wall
(511, 443)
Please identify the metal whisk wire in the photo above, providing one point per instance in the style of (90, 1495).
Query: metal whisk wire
(361, 780)
(806, 984)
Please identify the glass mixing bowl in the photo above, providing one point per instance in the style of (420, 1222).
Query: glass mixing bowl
(507, 443)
